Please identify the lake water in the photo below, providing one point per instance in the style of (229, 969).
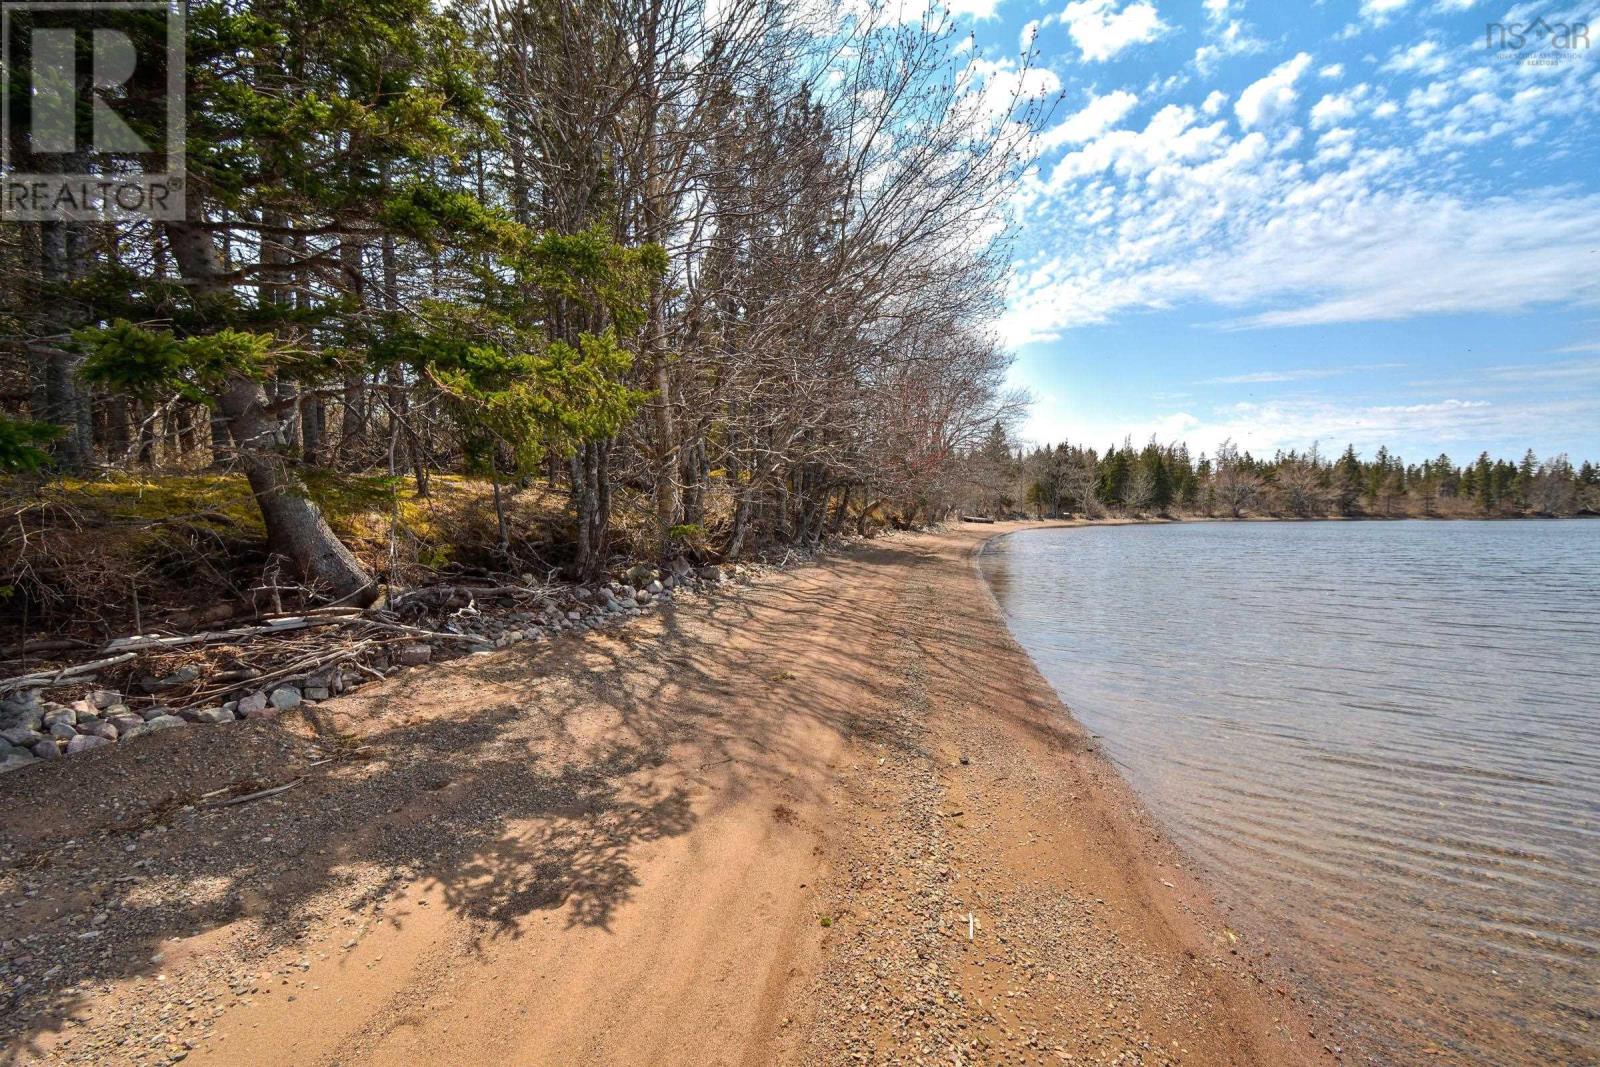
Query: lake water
(1381, 741)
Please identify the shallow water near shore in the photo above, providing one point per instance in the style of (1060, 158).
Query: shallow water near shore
(1380, 741)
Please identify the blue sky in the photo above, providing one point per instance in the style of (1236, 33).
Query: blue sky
(1346, 221)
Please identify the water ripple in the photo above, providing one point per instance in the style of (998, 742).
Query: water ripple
(1385, 735)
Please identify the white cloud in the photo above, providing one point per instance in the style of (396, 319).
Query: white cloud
(1379, 11)
(1332, 71)
(1269, 99)
(1215, 101)
(1332, 110)
(1337, 144)
(1423, 57)
(1101, 30)
(1232, 39)
(1095, 118)
(976, 9)
(1459, 424)
(999, 86)
(1303, 374)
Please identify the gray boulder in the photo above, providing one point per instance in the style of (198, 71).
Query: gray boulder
(206, 715)
(253, 702)
(13, 759)
(21, 736)
(654, 588)
(98, 729)
(104, 698)
(14, 714)
(46, 750)
(62, 730)
(125, 721)
(160, 722)
(285, 698)
(84, 742)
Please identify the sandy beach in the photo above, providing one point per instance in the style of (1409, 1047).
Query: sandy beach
(834, 816)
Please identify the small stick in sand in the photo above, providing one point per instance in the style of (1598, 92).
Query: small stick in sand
(971, 924)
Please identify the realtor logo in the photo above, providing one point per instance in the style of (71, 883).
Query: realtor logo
(1550, 40)
(91, 110)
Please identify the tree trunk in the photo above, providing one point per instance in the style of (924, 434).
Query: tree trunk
(295, 526)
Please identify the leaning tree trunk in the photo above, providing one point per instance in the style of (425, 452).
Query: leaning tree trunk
(295, 525)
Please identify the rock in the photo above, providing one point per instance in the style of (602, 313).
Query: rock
(680, 568)
(154, 712)
(253, 702)
(160, 722)
(14, 759)
(641, 597)
(285, 698)
(104, 698)
(268, 712)
(62, 730)
(115, 710)
(46, 750)
(654, 588)
(15, 713)
(208, 715)
(98, 729)
(639, 575)
(573, 616)
(414, 655)
(55, 715)
(84, 742)
(710, 573)
(182, 676)
(317, 692)
(124, 722)
(21, 736)
(78, 707)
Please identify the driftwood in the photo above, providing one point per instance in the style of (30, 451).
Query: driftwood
(124, 649)
(65, 676)
(141, 642)
(978, 518)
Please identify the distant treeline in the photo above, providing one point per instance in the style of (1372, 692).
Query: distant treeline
(1168, 478)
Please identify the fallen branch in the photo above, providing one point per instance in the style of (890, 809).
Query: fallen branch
(140, 642)
(258, 795)
(64, 676)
